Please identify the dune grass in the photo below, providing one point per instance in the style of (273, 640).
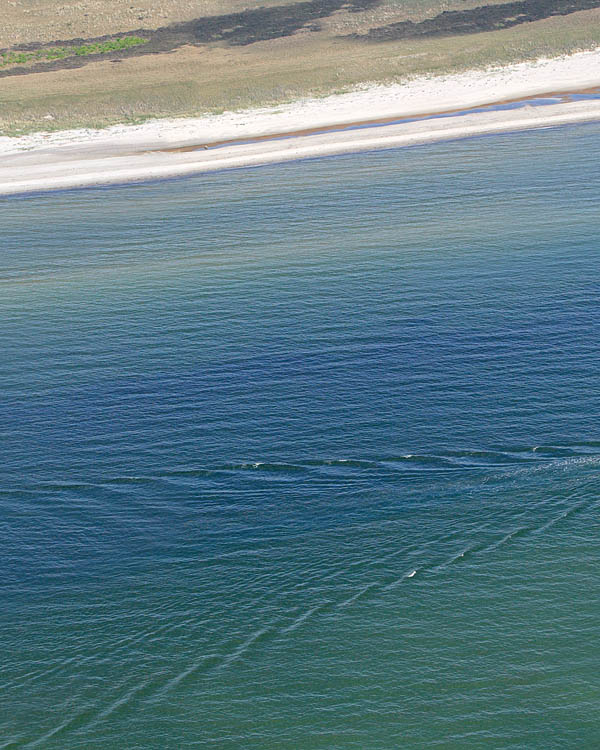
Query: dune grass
(16, 57)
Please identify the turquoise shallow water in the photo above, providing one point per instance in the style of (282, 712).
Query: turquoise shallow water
(306, 457)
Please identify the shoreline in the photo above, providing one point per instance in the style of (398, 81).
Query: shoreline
(421, 111)
(540, 100)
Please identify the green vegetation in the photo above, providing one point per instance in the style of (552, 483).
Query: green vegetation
(59, 53)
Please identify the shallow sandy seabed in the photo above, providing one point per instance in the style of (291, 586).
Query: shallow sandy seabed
(77, 158)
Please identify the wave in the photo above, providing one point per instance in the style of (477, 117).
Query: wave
(439, 461)
(446, 459)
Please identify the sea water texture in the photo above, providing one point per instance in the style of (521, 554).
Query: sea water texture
(306, 457)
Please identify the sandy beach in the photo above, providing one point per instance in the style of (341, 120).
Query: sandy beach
(372, 117)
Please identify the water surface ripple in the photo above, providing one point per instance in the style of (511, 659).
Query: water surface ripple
(306, 456)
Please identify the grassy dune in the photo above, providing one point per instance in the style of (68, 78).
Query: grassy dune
(226, 61)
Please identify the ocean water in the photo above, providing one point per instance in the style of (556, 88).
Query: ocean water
(306, 457)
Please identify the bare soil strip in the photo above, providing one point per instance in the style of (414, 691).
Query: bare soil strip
(476, 20)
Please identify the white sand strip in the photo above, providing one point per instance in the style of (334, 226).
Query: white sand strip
(27, 172)
(127, 153)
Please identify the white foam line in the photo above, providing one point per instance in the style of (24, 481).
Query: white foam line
(116, 704)
(173, 682)
(452, 560)
(52, 732)
(13, 743)
(241, 650)
(302, 618)
(410, 550)
(196, 665)
(565, 514)
(357, 595)
(505, 538)
(98, 715)
(398, 581)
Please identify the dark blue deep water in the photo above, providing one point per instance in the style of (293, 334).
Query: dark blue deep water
(306, 457)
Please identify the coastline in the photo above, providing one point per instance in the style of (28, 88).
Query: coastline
(375, 117)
